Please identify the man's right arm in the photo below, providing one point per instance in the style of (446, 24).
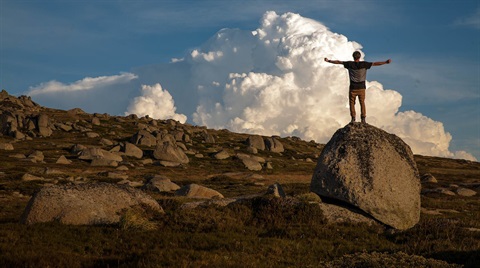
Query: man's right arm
(334, 61)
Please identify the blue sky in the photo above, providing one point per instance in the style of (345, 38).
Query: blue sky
(434, 45)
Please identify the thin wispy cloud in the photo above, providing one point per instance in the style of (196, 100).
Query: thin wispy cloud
(472, 20)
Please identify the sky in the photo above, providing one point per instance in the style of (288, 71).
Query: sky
(254, 66)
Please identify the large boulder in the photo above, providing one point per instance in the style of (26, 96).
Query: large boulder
(256, 141)
(372, 170)
(143, 137)
(170, 152)
(88, 204)
(161, 184)
(98, 153)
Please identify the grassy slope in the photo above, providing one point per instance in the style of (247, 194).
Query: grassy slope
(252, 234)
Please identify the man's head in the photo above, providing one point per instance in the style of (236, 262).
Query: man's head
(356, 55)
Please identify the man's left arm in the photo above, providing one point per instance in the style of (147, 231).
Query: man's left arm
(378, 63)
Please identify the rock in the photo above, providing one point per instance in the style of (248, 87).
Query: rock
(221, 155)
(18, 156)
(465, 192)
(428, 178)
(77, 148)
(101, 162)
(117, 175)
(92, 135)
(42, 126)
(170, 152)
(208, 138)
(276, 190)
(30, 177)
(63, 127)
(251, 164)
(274, 145)
(6, 146)
(161, 184)
(163, 137)
(85, 204)
(63, 160)
(256, 141)
(252, 150)
(199, 155)
(106, 142)
(144, 138)
(372, 170)
(444, 191)
(97, 153)
(50, 171)
(37, 156)
(96, 121)
(169, 164)
(132, 150)
(338, 214)
(122, 168)
(198, 191)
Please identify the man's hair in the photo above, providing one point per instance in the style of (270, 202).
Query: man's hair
(356, 55)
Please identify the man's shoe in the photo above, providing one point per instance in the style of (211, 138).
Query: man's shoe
(363, 120)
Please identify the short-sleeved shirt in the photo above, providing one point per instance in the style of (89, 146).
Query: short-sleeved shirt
(357, 71)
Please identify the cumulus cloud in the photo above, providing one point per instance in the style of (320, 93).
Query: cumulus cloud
(156, 103)
(270, 81)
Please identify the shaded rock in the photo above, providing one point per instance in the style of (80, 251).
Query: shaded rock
(63, 160)
(256, 141)
(101, 162)
(18, 156)
(37, 156)
(132, 150)
(339, 214)
(221, 155)
(170, 152)
(198, 191)
(30, 177)
(106, 142)
(85, 204)
(274, 145)
(117, 175)
(372, 170)
(63, 127)
(77, 148)
(252, 150)
(276, 190)
(161, 184)
(144, 138)
(96, 121)
(169, 163)
(92, 135)
(251, 164)
(163, 137)
(97, 153)
(50, 171)
(465, 192)
(428, 178)
(6, 146)
(42, 126)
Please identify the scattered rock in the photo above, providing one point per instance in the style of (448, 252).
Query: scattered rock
(117, 175)
(274, 145)
(92, 135)
(63, 160)
(37, 156)
(161, 184)
(96, 121)
(30, 177)
(198, 191)
(276, 190)
(251, 164)
(221, 155)
(465, 192)
(170, 152)
(428, 178)
(132, 150)
(106, 142)
(256, 141)
(102, 162)
(144, 138)
(97, 153)
(6, 146)
(85, 204)
(372, 170)
(339, 214)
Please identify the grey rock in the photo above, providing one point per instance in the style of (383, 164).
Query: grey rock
(144, 138)
(221, 155)
(30, 177)
(465, 191)
(6, 146)
(372, 170)
(198, 191)
(132, 150)
(85, 204)
(274, 145)
(161, 184)
(256, 141)
(63, 160)
(428, 178)
(170, 152)
(97, 153)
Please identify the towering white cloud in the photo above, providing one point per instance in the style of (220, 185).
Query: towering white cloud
(156, 103)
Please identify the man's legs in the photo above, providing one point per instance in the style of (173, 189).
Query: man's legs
(352, 96)
(361, 97)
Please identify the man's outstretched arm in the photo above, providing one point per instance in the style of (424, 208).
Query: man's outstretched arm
(334, 61)
(378, 63)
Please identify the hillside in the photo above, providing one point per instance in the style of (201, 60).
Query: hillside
(40, 146)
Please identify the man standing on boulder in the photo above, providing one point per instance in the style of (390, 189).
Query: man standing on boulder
(357, 71)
